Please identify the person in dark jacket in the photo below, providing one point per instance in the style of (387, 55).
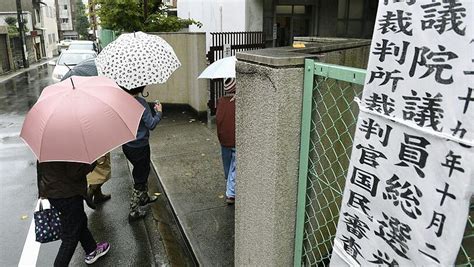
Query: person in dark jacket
(64, 184)
(225, 121)
(138, 153)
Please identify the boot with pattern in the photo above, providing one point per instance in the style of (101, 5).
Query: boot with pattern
(145, 198)
(135, 212)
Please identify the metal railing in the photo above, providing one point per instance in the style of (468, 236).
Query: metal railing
(328, 124)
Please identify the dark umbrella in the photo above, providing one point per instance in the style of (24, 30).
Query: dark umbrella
(85, 68)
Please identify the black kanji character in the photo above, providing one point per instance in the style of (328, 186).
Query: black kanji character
(387, 76)
(380, 103)
(433, 258)
(433, 61)
(395, 234)
(453, 163)
(369, 155)
(351, 247)
(445, 194)
(396, 22)
(385, 48)
(413, 152)
(382, 258)
(358, 201)
(371, 127)
(365, 180)
(355, 225)
(403, 196)
(450, 16)
(458, 129)
(425, 111)
(470, 72)
(467, 99)
(437, 221)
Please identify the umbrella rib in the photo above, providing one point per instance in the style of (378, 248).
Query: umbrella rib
(118, 115)
(46, 125)
(82, 135)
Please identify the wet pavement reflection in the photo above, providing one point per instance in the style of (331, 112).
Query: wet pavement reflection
(18, 193)
(19, 94)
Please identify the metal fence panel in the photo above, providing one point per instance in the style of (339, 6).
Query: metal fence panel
(328, 124)
(107, 36)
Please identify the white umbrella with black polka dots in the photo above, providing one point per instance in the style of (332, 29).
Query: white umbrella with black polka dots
(137, 59)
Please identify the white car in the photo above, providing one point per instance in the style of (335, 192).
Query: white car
(83, 45)
(67, 60)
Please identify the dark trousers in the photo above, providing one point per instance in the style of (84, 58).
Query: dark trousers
(140, 159)
(73, 228)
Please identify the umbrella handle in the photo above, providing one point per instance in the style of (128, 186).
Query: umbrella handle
(73, 87)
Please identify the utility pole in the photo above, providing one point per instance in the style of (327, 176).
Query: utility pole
(21, 26)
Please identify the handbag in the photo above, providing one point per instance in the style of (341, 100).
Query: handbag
(47, 222)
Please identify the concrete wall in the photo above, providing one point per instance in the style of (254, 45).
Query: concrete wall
(183, 86)
(268, 125)
(268, 128)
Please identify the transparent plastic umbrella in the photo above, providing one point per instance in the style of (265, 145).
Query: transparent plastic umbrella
(222, 68)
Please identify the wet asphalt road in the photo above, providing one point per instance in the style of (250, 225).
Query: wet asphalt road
(18, 191)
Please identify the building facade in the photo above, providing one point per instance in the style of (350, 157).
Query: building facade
(222, 15)
(282, 20)
(65, 19)
(49, 24)
(286, 19)
(34, 33)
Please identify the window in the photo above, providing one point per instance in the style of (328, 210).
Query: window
(66, 20)
(37, 16)
(50, 38)
(54, 37)
(65, 7)
(356, 18)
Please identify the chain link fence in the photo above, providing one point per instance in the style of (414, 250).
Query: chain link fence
(328, 126)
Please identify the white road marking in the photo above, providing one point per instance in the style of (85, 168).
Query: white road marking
(30, 252)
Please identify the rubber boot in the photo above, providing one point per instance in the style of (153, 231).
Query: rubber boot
(145, 198)
(98, 196)
(90, 199)
(135, 212)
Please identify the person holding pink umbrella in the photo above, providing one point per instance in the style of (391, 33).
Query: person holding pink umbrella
(72, 124)
(65, 185)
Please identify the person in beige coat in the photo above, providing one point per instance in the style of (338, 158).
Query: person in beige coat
(96, 179)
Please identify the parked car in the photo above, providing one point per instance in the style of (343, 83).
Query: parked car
(84, 45)
(67, 60)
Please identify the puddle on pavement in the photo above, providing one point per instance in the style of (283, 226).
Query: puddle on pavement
(177, 249)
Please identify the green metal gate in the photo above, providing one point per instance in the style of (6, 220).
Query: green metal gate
(328, 125)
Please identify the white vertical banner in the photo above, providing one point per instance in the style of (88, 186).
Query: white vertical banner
(411, 175)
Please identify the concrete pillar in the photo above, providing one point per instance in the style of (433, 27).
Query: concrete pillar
(268, 118)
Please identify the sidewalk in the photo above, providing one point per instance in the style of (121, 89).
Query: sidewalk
(186, 156)
(33, 66)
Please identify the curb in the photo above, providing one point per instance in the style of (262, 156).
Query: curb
(182, 232)
(15, 73)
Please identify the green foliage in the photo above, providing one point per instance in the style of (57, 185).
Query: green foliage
(129, 16)
(11, 21)
(81, 22)
(162, 23)
(13, 28)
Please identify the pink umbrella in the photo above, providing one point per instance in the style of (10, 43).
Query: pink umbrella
(81, 119)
